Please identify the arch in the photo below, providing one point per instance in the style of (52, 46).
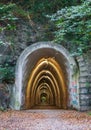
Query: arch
(33, 81)
(35, 61)
(42, 88)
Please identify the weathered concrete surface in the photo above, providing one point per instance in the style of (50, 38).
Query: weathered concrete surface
(45, 120)
(84, 82)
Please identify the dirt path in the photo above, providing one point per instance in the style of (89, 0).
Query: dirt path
(44, 120)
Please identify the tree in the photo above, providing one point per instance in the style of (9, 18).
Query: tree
(74, 27)
(37, 9)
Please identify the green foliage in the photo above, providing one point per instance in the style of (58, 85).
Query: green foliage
(37, 9)
(1, 42)
(74, 27)
(40, 8)
(89, 113)
(7, 22)
(7, 18)
(7, 73)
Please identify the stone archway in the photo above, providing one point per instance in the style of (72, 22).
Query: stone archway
(44, 77)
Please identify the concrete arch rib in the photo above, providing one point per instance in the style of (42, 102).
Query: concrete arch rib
(41, 88)
(33, 82)
(38, 74)
(22, 67)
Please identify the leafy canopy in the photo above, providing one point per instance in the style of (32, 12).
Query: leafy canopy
(7, 17)
(7, 73)
(37, 9)
(74, 27)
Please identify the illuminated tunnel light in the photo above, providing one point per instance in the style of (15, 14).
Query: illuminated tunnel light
(53, 77)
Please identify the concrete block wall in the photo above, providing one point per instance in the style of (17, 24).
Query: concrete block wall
(84, 84)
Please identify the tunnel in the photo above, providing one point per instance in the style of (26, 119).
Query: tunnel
(43, 77)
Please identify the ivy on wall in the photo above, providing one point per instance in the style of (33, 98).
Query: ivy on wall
(74, 27)
(7, 73)
(7, 18)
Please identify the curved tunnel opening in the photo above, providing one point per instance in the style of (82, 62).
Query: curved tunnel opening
(43, 77)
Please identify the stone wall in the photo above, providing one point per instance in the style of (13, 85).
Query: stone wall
(17, 40)
(85, 81)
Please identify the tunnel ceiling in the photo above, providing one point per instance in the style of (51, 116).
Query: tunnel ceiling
(46, 53)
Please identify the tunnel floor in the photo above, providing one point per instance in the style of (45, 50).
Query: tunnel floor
(45, 120)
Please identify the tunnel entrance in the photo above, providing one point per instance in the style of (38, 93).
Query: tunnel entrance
(46, 86)
(45, 78)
